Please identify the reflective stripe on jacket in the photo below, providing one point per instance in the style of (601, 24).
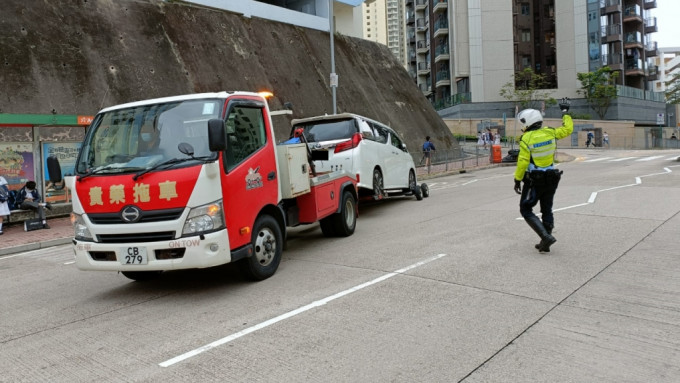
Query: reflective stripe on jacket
(538, 146)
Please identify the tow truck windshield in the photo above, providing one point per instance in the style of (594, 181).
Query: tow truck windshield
(139, 138)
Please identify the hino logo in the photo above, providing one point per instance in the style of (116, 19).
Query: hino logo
(131, 214)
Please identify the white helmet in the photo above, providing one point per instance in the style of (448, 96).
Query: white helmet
(529, 117)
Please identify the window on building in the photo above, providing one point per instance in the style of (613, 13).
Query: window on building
(526, 61)
(526, 35)
(525, 9)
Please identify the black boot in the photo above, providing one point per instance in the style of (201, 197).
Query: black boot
(549, 228)
(546, 238)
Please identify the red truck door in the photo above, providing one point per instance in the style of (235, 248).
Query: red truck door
(250, 181)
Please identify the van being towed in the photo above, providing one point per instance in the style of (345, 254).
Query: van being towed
(356, 144)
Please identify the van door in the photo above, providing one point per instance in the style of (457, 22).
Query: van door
(250, 179)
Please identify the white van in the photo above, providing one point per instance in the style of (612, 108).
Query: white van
(361, 146)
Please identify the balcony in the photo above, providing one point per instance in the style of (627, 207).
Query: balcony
(611, 33)
(441, 53)
(423, 68)
(421, 4)
(441, 27)
(410, 18)
(426, 88)
(440, 6)
(633, 40)
(614, 61)
(650, 4)
(652, 72)
(421, 25)
(443, 79)
(651, 49)
(632, 14)
(422, 47)
(610, 6)
(650, 25)
(634, 67)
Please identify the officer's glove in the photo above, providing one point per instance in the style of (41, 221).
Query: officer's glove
(565, 104)
(518, 187)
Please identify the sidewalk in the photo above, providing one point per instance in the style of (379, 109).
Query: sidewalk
(16, 240)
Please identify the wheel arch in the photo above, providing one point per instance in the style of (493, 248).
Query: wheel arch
(278, 214)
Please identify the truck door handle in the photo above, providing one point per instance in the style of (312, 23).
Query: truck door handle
(271, 175)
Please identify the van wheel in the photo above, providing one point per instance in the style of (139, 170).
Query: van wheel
(378, 185)
(425, 190)
(141, 276)
(411, 182)
(267, 242)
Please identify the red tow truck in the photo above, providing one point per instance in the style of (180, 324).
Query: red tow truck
(196, 181)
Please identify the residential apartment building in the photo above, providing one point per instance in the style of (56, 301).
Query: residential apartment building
(464, 51)
(383, 22)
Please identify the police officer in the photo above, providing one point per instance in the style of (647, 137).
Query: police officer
(535, 167)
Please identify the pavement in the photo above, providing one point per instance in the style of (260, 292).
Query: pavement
(16, 240)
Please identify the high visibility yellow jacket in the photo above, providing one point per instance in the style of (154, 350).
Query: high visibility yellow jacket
(538, 146)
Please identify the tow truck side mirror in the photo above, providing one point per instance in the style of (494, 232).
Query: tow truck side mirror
(217, 135)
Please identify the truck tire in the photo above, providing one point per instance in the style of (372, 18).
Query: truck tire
(267, 242)
(345, 221)
(141, 276)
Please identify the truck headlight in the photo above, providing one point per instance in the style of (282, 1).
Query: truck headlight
(204, 219)
(80, 229)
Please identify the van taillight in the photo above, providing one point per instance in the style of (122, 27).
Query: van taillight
(349, 144)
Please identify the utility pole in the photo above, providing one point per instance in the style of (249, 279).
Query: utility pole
(334, 76)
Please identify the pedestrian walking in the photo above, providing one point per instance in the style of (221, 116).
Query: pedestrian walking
(4, 198)
(605, 139)
(535, 168)
(589, 139)
(428, 148)
(480, 139)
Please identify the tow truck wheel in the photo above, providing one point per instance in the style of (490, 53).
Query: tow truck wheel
(346, 220)
(267, 242)
(425, 190)
(141, 276)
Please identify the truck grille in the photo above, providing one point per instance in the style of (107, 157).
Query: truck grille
(137, 237)
(146, 216)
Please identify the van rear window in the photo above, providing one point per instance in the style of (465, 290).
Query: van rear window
(329, 130)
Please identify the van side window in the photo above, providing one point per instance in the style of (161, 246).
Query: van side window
(381, 133)
(366, 130)
(246, 133)
(396, 141)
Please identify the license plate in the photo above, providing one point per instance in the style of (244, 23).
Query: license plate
(132, 255)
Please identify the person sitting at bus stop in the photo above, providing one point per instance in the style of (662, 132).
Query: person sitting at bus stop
(29, 198)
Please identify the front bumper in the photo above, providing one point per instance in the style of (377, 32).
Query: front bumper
(212, 250)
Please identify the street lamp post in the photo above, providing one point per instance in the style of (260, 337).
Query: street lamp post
(334, 76)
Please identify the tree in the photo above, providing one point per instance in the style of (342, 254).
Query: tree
(527, 90)
(598, 89)
(673, 89)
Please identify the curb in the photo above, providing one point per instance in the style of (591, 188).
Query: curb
(34, 246)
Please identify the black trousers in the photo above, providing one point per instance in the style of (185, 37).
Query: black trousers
(540, 187)
(35, 206)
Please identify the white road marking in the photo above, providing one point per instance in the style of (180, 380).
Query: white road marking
(469, 182)
(293, 313)
(593, 195)
(622, 159)
(598, 159)
(649, 158)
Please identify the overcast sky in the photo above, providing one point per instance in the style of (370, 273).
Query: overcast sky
(667, 14)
